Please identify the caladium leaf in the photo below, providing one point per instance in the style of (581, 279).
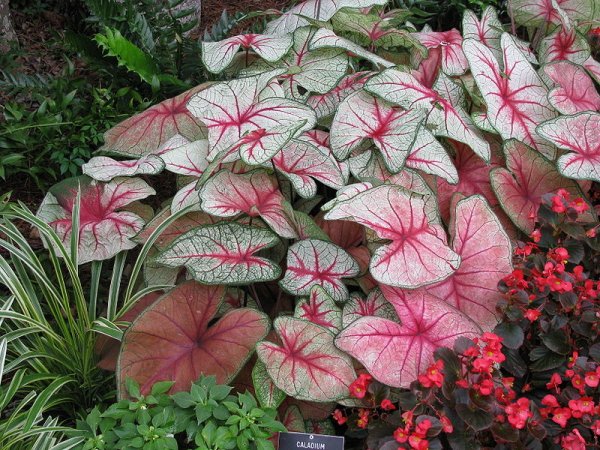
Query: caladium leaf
(321, 309)
(564, 44)
(429, 156)
(302, 163)
(374, 305)
(312, 262)
(443, 118)
(520, 187)
(235, 115)
(267, 394)
(105, 229)
(223, 254)
(189, 159)
(575, 91)
(313, 9)
(293, 420)
(103, 168)
(217, 56)
(165, 344)
(486, 257)
(361, 116)
(307, 365)
(185, 197)
(487, 30)
(326, 104)
(593, 67)
(324, 38)
(449, 42)
(418, 254)
(427, 324)
(145, 132)
(343, 233)
(254, 193)
(516, 98)
(539, 12)
(579, 135)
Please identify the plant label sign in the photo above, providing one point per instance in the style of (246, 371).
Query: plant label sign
(289, 441)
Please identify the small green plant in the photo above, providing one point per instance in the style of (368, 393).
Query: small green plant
(206, 417)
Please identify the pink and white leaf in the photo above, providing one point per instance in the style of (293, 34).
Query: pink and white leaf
(187, 159)
(413, 182)
(487, 30)
(374, 305)
(104, 228)
(217, 56)
(267, 394)
(254, 193)
(341, 232)
(429, 156)
(320, 308)
(427, 324)
(314, 9)
(541, 12)
(303, 163)
(361, 116)
(174, 339)
(564, 44)
(313, 262)
(516, 98)
(593, 67)
(223, 254)
(442, 117)
(326, 104)
(418, 253)
(575, 91)
(103, 168)
(186, 196)
(578, 134)
(307, 365)
(145, 132)
(449, 42)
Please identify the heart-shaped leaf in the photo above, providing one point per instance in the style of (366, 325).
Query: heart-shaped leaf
(326, 104)
(103, 168)
(487, 30)
(311, 262)
(540, 12)
(429, 156)
(564, 44)
(267, 394)
(361, 116)
(223, 254)
(145, 132)
(577, 134)
(236, 116)
(174, 339)
(321, 309)
(444, 118)
(374, 305)
(186, 197)
(516, 97)
(427, 324)
(520, 187)
(486, 257)
(302, 163)
(575, 91)
(189, 159)
(105, 228)
(307, 365)
(227, 194)
(418, 254)
(217, 56)
(449, 42)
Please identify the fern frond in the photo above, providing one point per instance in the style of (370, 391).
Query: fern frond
(16, 80)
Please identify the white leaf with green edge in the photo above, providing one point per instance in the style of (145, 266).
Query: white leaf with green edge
(314, 9)
(307, 365)
(267, 393)
(593, 67)
(311, 262)
(326, 104)
(575, 91)
(541, 12)
(418, 253)
(347, 193)
(232, 111)
(453, 61)
(188, 159)
(374, 305)
(223, 254)
(516, 97)
(578, 134)
(258, 147)
(429, 156)
(564, 44)
(324, 38)
(302, 163)
(172, 143)
(413, 182)
(443, 118)
(217, 56)
(481, 121)
(361, 116)
(186, 196)
(254, 193)
(487, 30)
(103, 168)
(320, 308)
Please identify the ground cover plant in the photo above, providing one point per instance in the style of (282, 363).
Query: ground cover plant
(347, 200)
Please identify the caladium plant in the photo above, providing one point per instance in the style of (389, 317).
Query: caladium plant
(351, 180)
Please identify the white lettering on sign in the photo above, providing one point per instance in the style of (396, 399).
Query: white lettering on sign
(310, 445)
